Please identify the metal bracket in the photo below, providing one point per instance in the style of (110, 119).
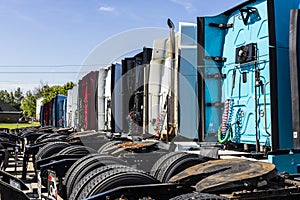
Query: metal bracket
(163, 190)
(222, 26)
(60, 167)
(215, 76)
(215, 104)
(216, 58)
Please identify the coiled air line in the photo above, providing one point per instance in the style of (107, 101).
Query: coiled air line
(225, 129)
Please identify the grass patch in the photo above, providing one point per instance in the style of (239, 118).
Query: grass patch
(18, 125)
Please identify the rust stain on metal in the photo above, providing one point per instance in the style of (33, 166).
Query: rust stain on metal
(223, 174)
(134, 145)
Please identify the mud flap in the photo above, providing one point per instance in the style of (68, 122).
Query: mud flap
(294, 73)
(52, 189)
(39, 184)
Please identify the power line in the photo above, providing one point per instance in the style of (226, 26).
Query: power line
(50, 66)
(27, 72)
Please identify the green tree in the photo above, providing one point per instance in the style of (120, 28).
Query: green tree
(50, 92)
(5, 96)
(12, 98)
(18, 96)
(28, 104)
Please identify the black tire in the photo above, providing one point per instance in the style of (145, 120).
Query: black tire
(41, 137)
(82, 135)
(31, 136)
(157, 165)
(27, 132)
(119, 151)
(50, 149)
(77, 150)
(176, 164)
(78, 134)
(50, 138)
(115, 178)
(47, 151)
(5, 135)
(200, 196)
(86, 166)
(46, 129)
(48, 135)
(71, 169)
(47, 140)
(89, 167)
(88, 177)
(108, 146)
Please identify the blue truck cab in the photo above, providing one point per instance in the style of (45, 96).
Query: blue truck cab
(244, 77)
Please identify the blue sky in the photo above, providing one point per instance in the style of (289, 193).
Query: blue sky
(62, 33)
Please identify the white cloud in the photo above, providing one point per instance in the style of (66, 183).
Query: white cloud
(188, 6)
(106, 9)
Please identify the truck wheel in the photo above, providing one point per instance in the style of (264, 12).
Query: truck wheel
(47, 140)
(77, 135)
(176, 164)
(105, 147)
(71, 169)
(116, 178)
(86, 166)
(41, 137)
(47, 151)
(157, 165)
(85, 180)
(51, 138)
(77, 150)
(102, 161)
(200, 196)
(50, 149)
(46, 136)
(6, 135)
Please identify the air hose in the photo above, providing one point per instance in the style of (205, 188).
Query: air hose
(158, 124)
(221, 138)
(225, 129)
(130, 123)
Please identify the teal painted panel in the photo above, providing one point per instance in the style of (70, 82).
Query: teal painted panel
(286, 162)
(241, 86)
(213, 47)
